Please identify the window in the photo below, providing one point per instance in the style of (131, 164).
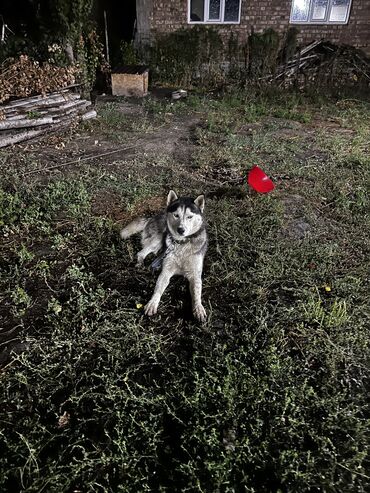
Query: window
(214, 11)
(320, 11)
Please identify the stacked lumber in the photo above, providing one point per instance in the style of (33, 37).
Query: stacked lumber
(322, 61)
(24, 119)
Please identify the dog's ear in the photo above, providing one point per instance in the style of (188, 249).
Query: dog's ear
(171, 197)
(199, 202)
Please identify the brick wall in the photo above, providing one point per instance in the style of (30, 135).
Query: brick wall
(169, 15)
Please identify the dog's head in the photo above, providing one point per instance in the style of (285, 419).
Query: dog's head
(184, 215)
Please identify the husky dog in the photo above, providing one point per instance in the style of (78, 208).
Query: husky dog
(180, 233)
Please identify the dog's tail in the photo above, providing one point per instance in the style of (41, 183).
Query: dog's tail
(134, 227)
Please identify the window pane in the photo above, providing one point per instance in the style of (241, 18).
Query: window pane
(214, 10)
(300, 9)
(197, 10)
(231, 11)
(319, 9)
(339, 10)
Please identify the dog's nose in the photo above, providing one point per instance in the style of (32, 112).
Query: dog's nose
(181, 230)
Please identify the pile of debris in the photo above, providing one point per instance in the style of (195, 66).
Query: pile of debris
(24, 119)
(324, 62)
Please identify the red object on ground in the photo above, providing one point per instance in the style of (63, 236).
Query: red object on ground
(258, 180)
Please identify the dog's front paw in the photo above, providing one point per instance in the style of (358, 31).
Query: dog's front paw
(200, 313)
(124, 234)
(151, 308)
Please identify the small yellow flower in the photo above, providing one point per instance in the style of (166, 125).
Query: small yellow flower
(139, 306)
(327, 288)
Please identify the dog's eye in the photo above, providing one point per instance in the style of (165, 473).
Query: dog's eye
(189, 217)
(176, 216)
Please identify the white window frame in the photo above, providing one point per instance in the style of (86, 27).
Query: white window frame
(327, 15)
(213, 21)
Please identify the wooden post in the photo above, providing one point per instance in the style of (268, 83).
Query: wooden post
(106, 35)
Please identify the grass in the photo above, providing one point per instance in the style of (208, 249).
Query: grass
(270, 395)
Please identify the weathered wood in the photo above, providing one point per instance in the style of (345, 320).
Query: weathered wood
(37, 122)
(308, 48)
(46, 110)
(88, 115)
(54, 113)
(20, 137)
(50, 111)
(32, 134)
(47, 95)
(41, 103)
(77, 107)
(40, 100)
(294, 61)
(32, 99)
(106, 36)
(12, 118)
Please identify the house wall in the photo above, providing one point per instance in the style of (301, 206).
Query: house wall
(166, 16)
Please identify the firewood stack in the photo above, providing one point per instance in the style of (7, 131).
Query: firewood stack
(48, 102)
(27, 118)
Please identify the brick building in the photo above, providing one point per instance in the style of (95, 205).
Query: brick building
(339, 21)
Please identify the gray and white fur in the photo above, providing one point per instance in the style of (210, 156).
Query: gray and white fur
(181, 234)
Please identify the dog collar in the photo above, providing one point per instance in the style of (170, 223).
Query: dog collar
(157, 263)
(187, 238)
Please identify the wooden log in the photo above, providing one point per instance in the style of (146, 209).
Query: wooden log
(76, 116)
(88, 115)
(67, 104)
(70, 114)
(45, 103)
(44, 110)
(19, 137)
(78, 106)
(56, 113)
(13, 117)
(53, 102)
(39, 100)
(37, 122)
(65, 118)
(30, 100)
(59, 121)
(43, 96)
(50, 107)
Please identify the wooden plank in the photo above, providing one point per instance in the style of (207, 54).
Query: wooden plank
(309, 48)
